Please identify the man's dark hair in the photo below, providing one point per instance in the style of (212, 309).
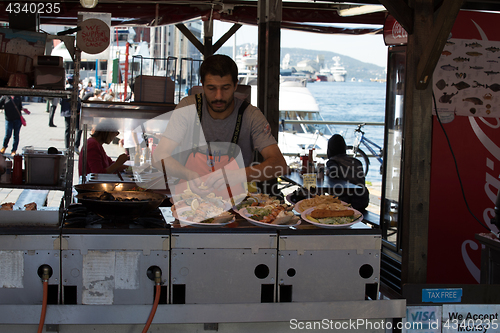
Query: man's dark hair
(220, 65)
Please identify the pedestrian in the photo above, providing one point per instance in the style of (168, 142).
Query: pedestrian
(13, 106)
(89, 88)
(133, 143)
(97, 95)
(87, 92)
(66, 113)
(110, 96)
(53, 107)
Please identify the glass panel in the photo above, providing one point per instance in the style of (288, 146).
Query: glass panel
(391, 227)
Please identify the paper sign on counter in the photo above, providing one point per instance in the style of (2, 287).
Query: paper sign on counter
(309, 180)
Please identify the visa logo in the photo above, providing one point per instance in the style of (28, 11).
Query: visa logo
(423, 316)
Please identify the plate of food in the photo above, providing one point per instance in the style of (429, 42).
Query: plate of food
(270, 217)
(305, 204)
(330, 218)
(203, 217)
(257, 200)
(301, 194)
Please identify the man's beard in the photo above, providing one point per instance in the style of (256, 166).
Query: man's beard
(224, 107)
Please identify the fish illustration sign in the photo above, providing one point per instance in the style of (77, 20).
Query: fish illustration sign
(469, 70)
(470, 117)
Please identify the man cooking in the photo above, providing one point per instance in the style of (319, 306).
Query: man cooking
(220, 151)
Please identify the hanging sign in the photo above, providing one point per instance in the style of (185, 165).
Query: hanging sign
(394, 33)
(94, 36)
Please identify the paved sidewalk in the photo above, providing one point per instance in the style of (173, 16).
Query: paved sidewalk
(38, 134)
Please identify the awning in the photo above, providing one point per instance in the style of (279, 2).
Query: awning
(137, 14)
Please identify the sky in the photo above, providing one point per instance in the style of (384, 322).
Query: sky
(366, 48)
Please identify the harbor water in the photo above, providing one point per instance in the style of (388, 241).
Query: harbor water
(354, 101)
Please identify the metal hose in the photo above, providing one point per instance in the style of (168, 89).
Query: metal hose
(156, 301)
(45, 280)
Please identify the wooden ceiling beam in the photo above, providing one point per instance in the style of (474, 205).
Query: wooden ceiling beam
(226, 36)
(401, 12)
(192, 38)
(431, 51)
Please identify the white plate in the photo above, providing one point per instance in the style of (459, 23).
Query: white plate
(332, 226)
(185, 222)
(246, 215)
(289, 198)
(287, 208)
(296, 207)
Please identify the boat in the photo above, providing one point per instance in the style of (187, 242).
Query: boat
(321, 77)
(296, 103)
(335, 73)
(338, 71)
(295, 139)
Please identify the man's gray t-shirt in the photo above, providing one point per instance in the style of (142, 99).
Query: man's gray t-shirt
(255, 130)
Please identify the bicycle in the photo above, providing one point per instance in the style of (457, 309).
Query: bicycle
(374, 149)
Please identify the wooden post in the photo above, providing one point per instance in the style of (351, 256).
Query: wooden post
(208, 27)
(425, 44)
(417, 152)
(269, 61)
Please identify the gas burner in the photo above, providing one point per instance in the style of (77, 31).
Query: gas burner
(78, 216)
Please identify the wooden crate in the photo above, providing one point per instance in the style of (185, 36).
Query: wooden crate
(14, 63)
(154, 89)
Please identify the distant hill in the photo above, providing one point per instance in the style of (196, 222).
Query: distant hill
(355, 68)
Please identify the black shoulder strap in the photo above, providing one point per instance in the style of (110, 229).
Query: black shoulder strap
(197, 126)
(237, 128)
(199, 105)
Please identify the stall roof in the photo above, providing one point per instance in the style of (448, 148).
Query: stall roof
(296, 14)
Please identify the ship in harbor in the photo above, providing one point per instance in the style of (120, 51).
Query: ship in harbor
(295, 103)
(336, 73)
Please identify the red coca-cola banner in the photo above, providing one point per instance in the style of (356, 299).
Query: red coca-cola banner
(453, 253)
(394, 33)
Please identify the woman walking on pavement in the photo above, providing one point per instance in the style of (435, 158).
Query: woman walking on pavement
(53, 107)
(13, 106)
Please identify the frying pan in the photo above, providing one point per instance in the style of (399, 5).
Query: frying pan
(145, 201)
(108, 187)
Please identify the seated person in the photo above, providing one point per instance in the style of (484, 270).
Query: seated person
(342, 166)
(97, 159)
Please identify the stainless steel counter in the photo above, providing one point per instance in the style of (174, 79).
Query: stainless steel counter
(203, 313)
(126, 116)
(243, 279)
